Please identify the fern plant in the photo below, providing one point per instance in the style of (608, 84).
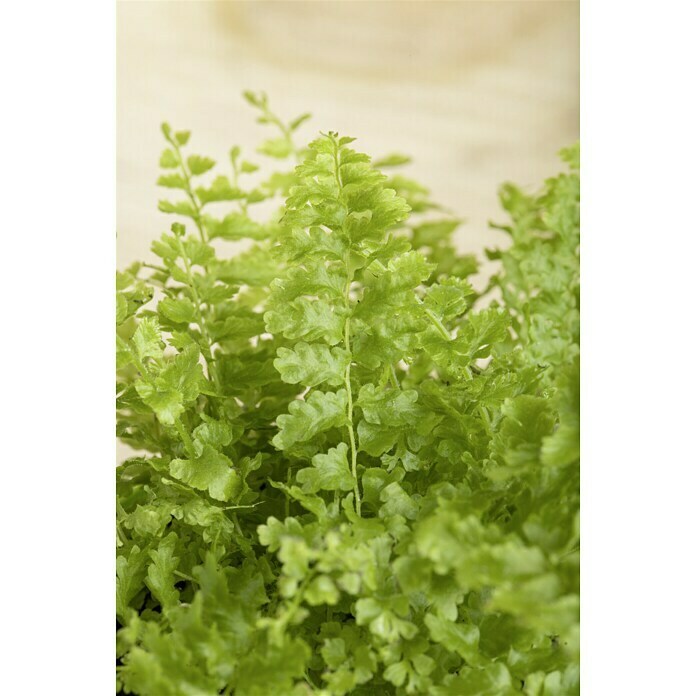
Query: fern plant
(353, 474)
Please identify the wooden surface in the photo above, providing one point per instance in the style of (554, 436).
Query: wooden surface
(477, 92)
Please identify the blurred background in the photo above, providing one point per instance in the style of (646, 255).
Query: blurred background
(477, 92)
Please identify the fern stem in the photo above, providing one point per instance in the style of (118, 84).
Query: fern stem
(438, 325)
(185, 438)
(351, 429)
(394, 378)
(346, 345)
(208, 348)
(186, 577)
(297, 599)
(483, 412)
(235, 182)
(189, 189)
(155, 267)
(139, 364)
(287, 133)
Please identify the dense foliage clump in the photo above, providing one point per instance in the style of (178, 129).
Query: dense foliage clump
(355, 474)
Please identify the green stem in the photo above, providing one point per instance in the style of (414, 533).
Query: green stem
(121, 535)
(346, 345)
(185, 438)
(349, 409)
(155, 267)
(189, 189)
(140, 366)
(438, 325)
(208, 348)
(235, 180)
(337, 168)
(351, 429)
(185, 577)
(238, 526)
(394, 378)
(309, 681)
(486, 421)
(287, 133)
(297, 599)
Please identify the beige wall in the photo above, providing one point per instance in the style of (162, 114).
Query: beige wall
(478, 92)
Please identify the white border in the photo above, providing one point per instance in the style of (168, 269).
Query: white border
(638, 121)
(57, 129)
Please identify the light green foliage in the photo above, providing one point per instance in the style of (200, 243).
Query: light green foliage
(356, 474)
(330, 471)
(319, 412)
(211, 471)
(312, 365)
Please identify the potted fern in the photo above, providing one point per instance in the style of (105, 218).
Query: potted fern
(360, 475)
